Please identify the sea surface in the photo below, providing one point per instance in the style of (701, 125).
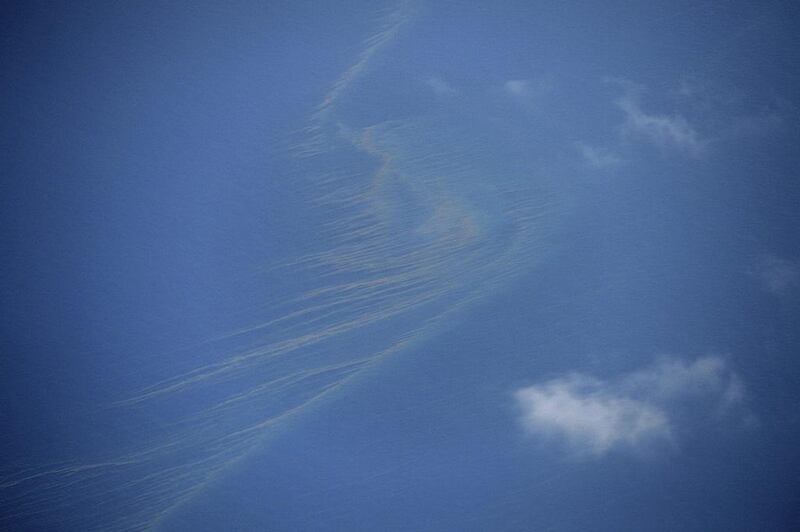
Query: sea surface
(400, 266)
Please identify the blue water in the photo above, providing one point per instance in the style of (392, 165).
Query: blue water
(285, 267)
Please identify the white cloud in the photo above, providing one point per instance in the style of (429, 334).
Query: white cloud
(528, 91)
(440, 86)
(594, 416)
(597, 157)
(591, 419)
(672, 379)
(665, 131)
(778, 276)
(517, 87)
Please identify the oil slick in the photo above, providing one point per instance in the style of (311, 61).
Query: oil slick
(419, 225)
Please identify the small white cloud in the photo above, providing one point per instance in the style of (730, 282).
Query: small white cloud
(665, 131)
(590, 418)
(674, 379)
(517, 87)
(594, 416)
(527, 91)
(440, 86)
(778, 276)
(597, 157)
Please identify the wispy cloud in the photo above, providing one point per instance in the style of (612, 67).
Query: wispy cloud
(779, 276)
(594, 416)
(440, 86)
(597, 157)
(665, 131)
(528, 91)
(686, 89)
(517, 87)
(675, 379)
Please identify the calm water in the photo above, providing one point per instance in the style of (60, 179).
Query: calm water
(410, 266)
